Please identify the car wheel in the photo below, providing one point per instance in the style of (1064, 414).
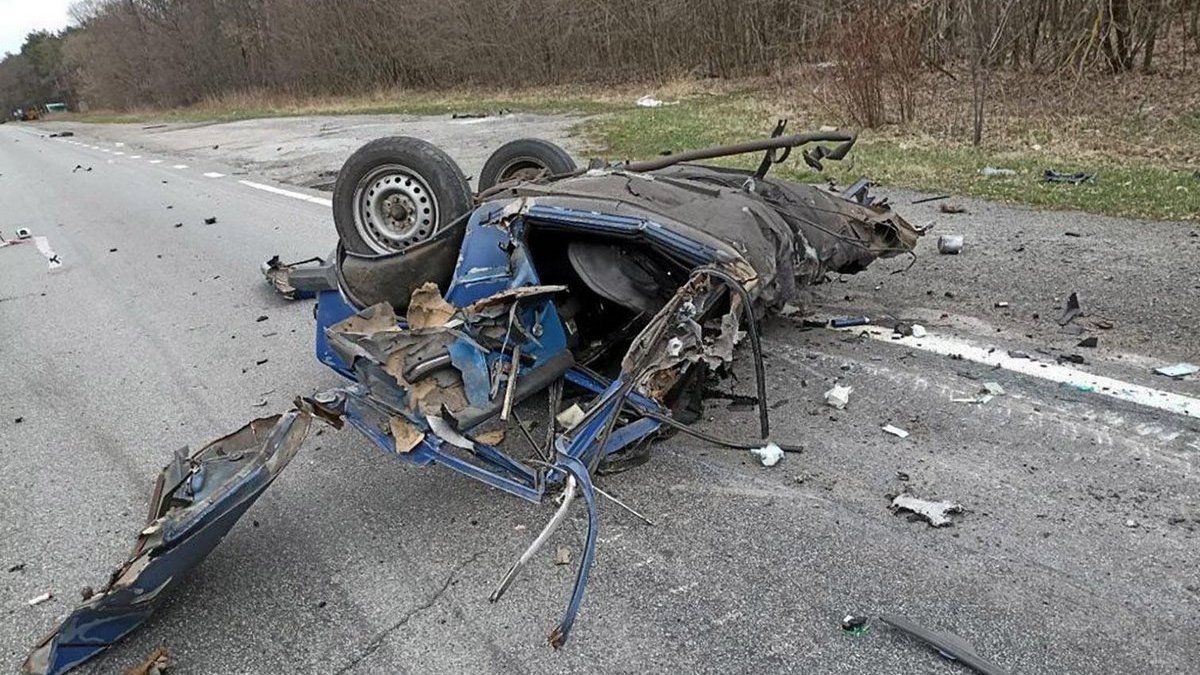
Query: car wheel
(524, 159)
(395, 192)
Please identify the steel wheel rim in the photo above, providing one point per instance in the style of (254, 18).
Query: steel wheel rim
(394, 208)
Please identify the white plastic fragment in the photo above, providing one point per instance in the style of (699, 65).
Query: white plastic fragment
(993, 388)
(770, 454)
(937, 513)
(1178, 370)
(839, 396)
(649, 101)
(918, 331)
(40, 599)
(993, 172)
(568, 418)
(895, 431)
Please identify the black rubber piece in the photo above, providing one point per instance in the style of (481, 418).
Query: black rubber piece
(517, 156)
(440, 172)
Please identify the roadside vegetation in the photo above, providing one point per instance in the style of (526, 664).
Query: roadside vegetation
(939, 88)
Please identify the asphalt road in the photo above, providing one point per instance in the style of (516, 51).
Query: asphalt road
(1076, 552)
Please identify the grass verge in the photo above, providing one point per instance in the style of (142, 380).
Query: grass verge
(1144, 168)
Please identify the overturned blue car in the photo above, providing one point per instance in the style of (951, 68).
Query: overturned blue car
(618, 287)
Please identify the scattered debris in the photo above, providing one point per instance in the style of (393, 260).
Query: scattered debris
(1071, 358)
(993, 172)
(937, 513)
(562, 556)
(838, 397)
(924, 200)
(855, 625)
(157, 663)
(1072, 310)
(1001, 304)
(770, 454)
(848, 321)
(1069, 233)
(1052, 176)
(211, 220)
(951, 208)
(918, 331)
(986, 393)
(950, 244)
(948, 645)
(649, 101)
(1177, 371)
(32, 602)
(19, 567)
(299, 280)
(1090, 342)
(895, 431)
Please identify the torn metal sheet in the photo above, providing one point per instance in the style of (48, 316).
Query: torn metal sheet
(196, 501)
(936, 513)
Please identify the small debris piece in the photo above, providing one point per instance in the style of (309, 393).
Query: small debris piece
(993, 172)
(262, 402)
(1131, 523)
(86, 593)
(178, 224)
(1178, 370)
(848, 321)
(1069, 233)
(261, 318)
(948, 645)
(1090, 342)
(1071, 311)
(1013, 353)
(993, 388)
(19, 567)
(838, 397)
(157, 663)
(770, 454)
(855, 625)
(18, 420)
(562, 556)
(1001, 305)
(952, 208)
(427, 308)
(112, 250)
(1071, 358)
(950, 244)
(261, 362)
(934, 512)
(493, 437)
(211, 220)
(918, 331)
(1052, 176)
(33, 602)
(570, 417)
(895, 431)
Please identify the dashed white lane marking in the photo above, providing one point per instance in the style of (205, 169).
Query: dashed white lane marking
(135, 157)
(214, 174)
(156, 161)
(179, 166)
(1054, 372)
(118, 153)
(287, 193)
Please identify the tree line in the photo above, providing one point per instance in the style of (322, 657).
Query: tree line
(123, 54)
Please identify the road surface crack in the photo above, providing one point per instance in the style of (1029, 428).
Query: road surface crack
(382, 636)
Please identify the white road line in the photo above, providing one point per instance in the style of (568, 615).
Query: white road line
(1054, 372)
(214, 174)
(135, 157)
(179, 166)
(118, 153)
(287, 193)
(156, 161)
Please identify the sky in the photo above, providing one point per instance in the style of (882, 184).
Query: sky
(18, 17)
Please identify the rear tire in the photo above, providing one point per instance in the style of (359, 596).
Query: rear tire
(395, 192)
(524, 159)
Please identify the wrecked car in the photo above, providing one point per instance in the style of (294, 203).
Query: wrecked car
(627, 283)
